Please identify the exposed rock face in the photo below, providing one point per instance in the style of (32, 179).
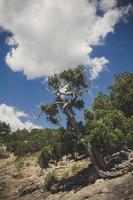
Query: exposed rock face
(120, 188)
(27, 189)
(26, 184)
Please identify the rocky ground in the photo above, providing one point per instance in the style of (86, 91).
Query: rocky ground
(24, 180)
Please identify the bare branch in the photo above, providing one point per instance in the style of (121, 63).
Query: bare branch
(40, 115)
(70, 103)
(63, 90)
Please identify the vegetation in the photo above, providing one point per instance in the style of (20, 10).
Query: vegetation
(23, 142)
(49, 181)
(121, 93)
(5, 130)
(107, 127)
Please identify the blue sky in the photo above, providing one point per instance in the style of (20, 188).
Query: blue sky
(118, 48)
(21, 91)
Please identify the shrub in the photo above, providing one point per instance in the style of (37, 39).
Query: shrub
(19, 162)
(74, 168)
(49, 181)
(66, 174)
(45, 156)
(3, 154)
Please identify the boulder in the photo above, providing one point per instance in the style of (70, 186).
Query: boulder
(27, 189)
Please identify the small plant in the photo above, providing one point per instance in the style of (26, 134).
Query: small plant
(19, 162)
(66, 174)
(45, 156)
(3, 154)
(49, 181)
(74, 168)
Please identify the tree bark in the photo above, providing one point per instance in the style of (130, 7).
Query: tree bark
(95, 156)
(97, 159)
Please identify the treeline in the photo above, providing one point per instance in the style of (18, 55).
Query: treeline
(108, 125)
(51, 143)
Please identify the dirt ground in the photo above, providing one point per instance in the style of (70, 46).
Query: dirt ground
(16, 175)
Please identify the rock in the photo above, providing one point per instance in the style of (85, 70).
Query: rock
(56, 188)
(105, 190)
(99, 181)
(27, 189)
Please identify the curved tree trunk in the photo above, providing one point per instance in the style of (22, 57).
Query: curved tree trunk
(97, 159)
(100, 164)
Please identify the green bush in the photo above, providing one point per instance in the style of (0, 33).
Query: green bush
(108, 133)
(23, 142)
(45, 156)
(109, 126)
(74, 168)
(49, 181)
(3, 154)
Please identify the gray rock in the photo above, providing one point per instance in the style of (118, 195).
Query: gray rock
(27, 189)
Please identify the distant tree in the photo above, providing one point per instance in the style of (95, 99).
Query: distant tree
(5, 130)
(23, 142)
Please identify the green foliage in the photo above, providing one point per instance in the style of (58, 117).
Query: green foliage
(129, 135)
(88, 114)
(23, 142)
(74, 168)
(69, 143)
(67, 87)
(3, 153)
(52, 143)
(110, 125)
(79, 104)
(75, 77)
(49, 181)
(5, 130)
(51, 112)
(102, 102)
(45, 156)
(109, 131)
(54, 81)
(122, 93)
(65, 143)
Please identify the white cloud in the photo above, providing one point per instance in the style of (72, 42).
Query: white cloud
(57, 34)
(96, 66)
(11, 41)
(12, 116)
(105, 5)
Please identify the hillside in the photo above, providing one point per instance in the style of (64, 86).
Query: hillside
(88, 159)
(24, 180)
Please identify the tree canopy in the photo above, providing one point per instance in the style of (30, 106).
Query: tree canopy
(121, 93)
(4, 131)
(67, 86)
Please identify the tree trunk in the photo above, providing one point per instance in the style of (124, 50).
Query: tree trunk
(97, 159)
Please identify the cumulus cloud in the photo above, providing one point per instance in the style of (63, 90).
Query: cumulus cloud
(57, 34)
(13, 117)
(96, 66)
(105, 5)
